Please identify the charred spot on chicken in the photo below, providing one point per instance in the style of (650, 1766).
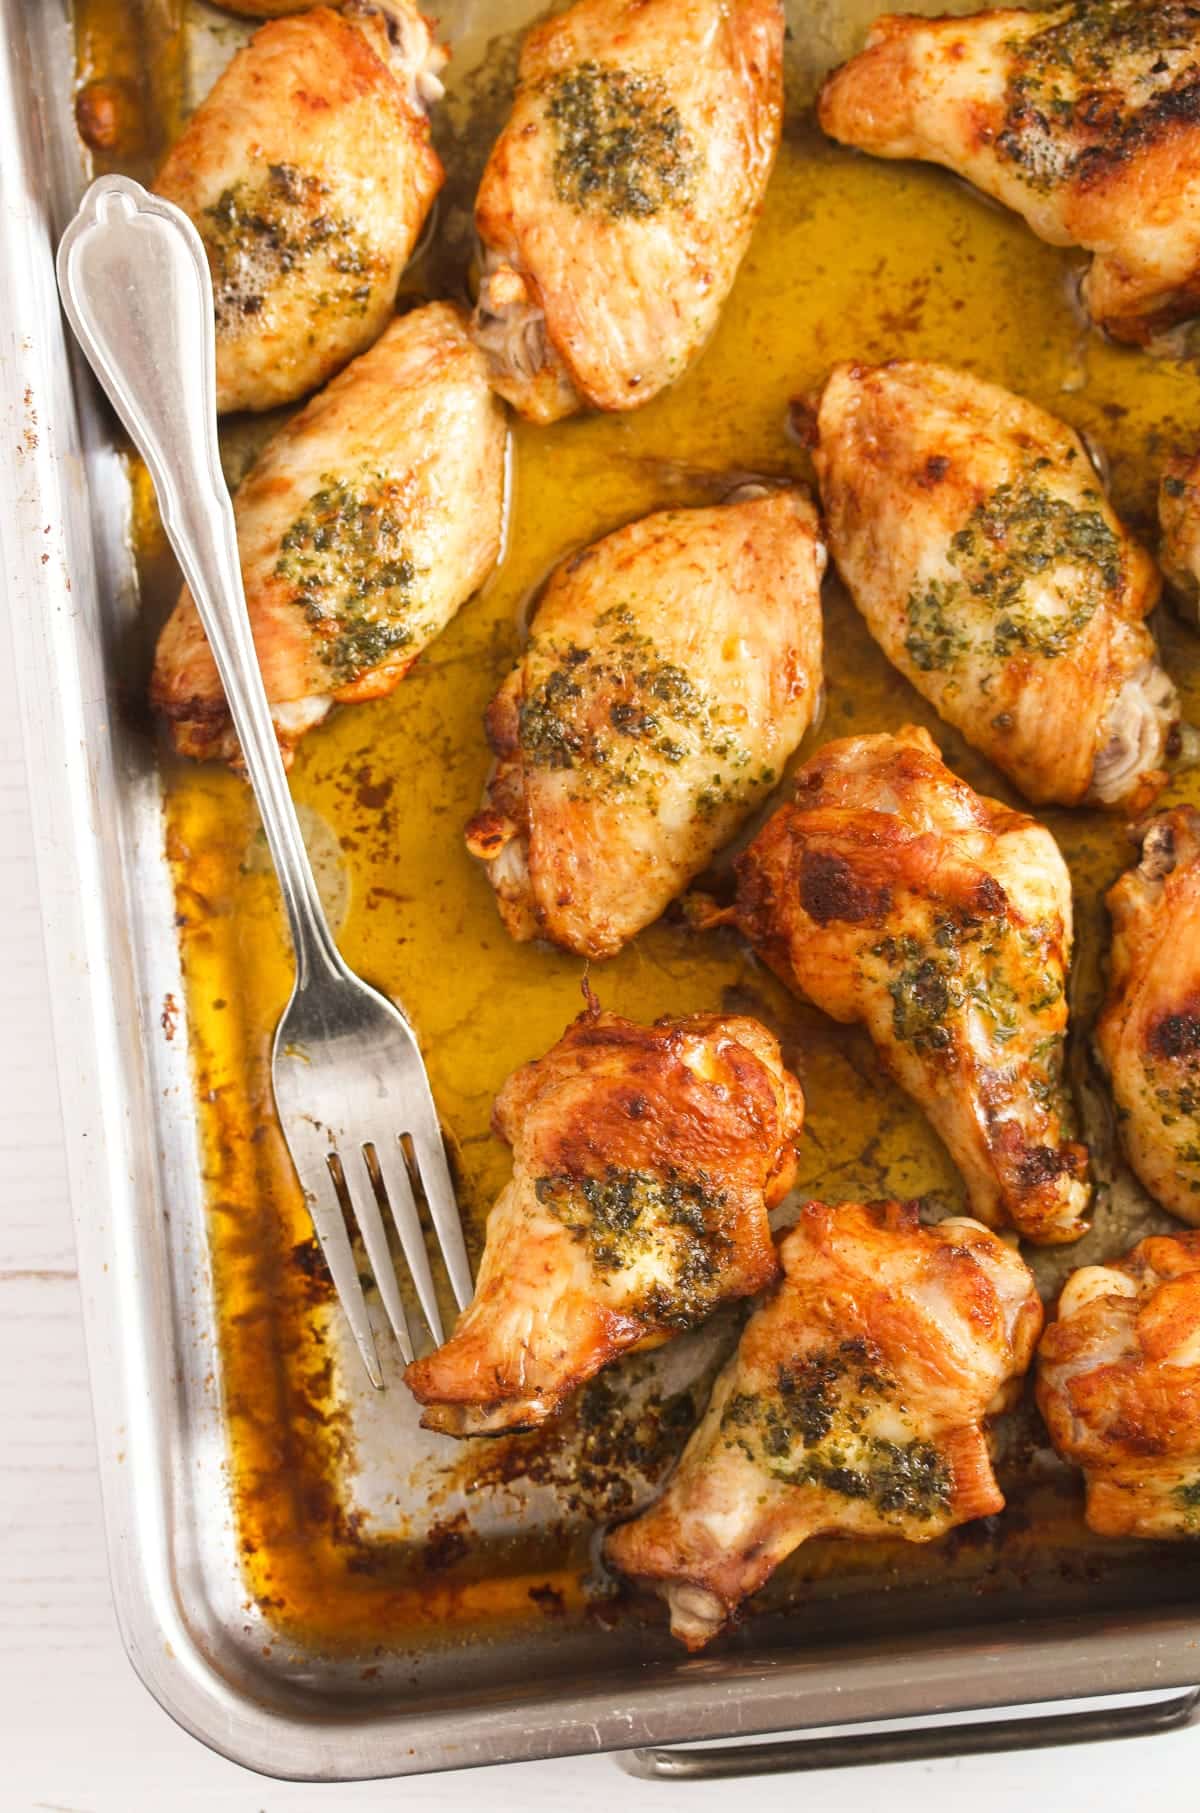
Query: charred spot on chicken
(1102, 72)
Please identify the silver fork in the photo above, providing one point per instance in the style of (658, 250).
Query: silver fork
(350, 1084)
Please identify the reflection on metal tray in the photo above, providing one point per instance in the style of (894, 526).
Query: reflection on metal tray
(305, 1578)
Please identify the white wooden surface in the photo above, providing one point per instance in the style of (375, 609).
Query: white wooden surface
(80, 1733)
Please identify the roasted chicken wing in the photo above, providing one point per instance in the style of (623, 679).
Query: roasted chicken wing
(1179, 515)
(363, 526)
(671, 670)
(620, 198)
(1149, 1033)
(977, 541)
(889, 893)
(308, 172)
(854, 1406)
(1084, 118)
(1119, 1387)
(645, 1159)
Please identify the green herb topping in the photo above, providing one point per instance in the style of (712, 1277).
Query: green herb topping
(1031, 571)
(622, 148)
(620, 717)
(667, 1230)
(346, 560)
(259, 231)
(1094, 81)
(814, 1429)
(1004, 978)
(1189, 1496)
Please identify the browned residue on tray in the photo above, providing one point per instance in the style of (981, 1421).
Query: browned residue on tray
(828, 277)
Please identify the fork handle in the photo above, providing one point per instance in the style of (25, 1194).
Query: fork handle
(135, 285)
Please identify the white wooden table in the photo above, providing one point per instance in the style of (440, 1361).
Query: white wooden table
(81, 1735)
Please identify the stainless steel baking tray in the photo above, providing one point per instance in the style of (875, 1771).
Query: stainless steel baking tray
(495, 1638)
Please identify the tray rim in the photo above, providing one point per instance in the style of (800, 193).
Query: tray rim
(115, 1185)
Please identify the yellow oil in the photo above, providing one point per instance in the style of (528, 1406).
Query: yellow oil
(852, 259)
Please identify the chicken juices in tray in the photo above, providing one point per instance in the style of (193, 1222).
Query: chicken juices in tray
(645, 1159)
(889, 893)
(620, 198)
(308, 172)
(671, 670)
(854, 1405)
(1084, 119)
(362, 527)
(976, 540)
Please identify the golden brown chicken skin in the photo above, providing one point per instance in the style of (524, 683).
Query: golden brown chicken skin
(671, 670)
(1148, 1035)
(977, 542)
(645, 1159)
(889, 893)
(363, 526)
(853, 1406)
(620, 198)
(1084, 119)
(1119, 1387)
(308, 172)
(1179, 516)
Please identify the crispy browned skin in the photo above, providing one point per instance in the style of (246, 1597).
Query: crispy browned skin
(1179, 515)
(671, 670)
(890, 893)
(645, 1159)
(853, 1406)
(1085, 119)
(977, 542)
(308, 171)
(620, 198)
(1149, 1033)
(1119, 1387)
(363, 525)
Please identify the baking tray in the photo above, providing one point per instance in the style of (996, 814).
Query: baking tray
(303, 1580)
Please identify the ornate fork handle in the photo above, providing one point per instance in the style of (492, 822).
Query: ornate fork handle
(135, 285)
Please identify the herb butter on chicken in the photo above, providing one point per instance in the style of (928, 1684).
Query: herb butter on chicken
(645, 1159)
(308, 172)
(1119, 1387)
(363, 526)
(1084, 119)
(619, 200)
(977, 542)
(853, 1406)
(889, 893)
